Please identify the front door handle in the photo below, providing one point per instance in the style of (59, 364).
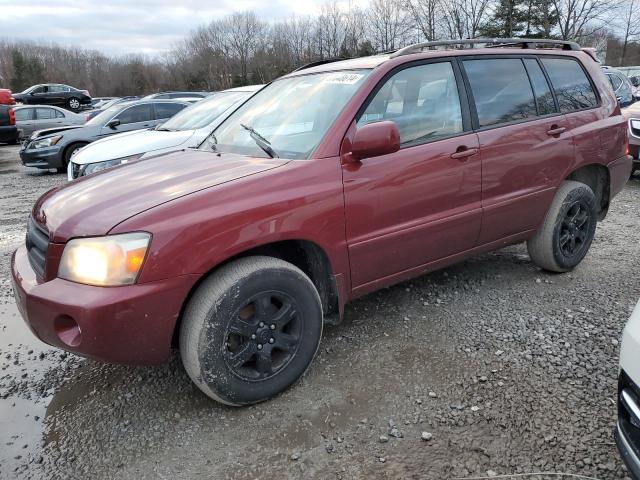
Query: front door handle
(556, 130)
(463, 153)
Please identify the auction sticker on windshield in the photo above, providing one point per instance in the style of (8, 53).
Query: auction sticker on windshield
(343, 78)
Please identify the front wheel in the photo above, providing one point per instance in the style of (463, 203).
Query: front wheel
(566, 234)
(251, 330)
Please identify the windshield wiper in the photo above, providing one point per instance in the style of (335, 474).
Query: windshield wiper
(163, 129)
(262, 142)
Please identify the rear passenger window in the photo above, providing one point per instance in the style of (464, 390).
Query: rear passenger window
(167, 110)
(422, 101)
(45, 113)
(572, 87)
(501, 90)
(544, 97)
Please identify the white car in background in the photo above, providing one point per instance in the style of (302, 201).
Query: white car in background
(627, 432)
(188, 128)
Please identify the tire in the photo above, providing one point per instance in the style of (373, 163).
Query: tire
(223, 346)
(566, 234)
(68, 153)
(73, 104)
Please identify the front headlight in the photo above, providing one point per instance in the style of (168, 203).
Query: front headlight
(98, 166)
(104, 261)
(45, 142)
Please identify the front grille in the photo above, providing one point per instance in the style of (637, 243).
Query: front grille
(37, 242)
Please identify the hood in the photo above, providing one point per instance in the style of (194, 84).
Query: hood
(93, 205)
(131, 143)
(50, 131)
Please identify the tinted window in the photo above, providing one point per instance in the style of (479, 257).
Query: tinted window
(544, 97)
(615, 81)
(40, 89)
(501, 90)
(162, 96)
(422, 101)
(24, 114)
(56, 88)
(45, 113)
(572, 87)
(167, 110)
(135, 114)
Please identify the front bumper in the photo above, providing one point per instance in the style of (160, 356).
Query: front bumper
(50, 157)
(627, 432)
(130, 324)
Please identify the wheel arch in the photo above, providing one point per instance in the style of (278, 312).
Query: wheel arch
(596, 176)
(308, 256)
(68, 147)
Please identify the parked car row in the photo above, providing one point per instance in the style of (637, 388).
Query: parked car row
(54, 147)
(331, 182)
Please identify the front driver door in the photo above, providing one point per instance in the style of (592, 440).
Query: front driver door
(423, 203)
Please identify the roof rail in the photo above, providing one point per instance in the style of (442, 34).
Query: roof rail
(319, 62)
(488, 43)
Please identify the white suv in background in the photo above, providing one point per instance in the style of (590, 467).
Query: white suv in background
(628, 428)
(188, 128)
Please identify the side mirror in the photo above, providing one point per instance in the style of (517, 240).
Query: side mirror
(635, 81)
(375, 139)
(113, 124)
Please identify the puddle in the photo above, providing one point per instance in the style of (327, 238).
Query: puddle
(21, 366)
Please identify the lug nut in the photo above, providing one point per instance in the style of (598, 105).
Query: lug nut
(271, 340)
(272, 326)
(259, 346)
(261, 324)
(253, 336)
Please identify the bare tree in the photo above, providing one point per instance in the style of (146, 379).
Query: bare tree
(579, 19)
(389, 24)
(463, 18)
(630, 26)
(425, 14)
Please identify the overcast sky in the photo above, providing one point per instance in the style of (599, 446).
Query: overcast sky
(135, 26)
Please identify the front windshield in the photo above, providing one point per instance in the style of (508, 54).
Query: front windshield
(104, 116)
(289, 117)
(28, 90)
(201, 114)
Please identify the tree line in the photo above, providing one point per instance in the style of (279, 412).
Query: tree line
(242, 48)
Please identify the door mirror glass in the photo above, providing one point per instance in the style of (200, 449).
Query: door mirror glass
(375, 139)
(113, 123)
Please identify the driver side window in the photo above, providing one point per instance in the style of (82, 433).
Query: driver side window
(422, 101)
(135, 114)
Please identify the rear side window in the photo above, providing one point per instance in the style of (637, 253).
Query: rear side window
(167, 110)
(615, 81)
(572, 87)
(59, 114)
(135, 114)
(45, 113)
(501, 90)
(422, 101)
(544, 97)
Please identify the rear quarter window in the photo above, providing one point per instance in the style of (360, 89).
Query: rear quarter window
(571, 84)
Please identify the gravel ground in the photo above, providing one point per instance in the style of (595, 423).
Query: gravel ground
(489, 367)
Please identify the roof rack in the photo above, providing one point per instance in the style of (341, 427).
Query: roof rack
(319, 62)
(489, 43)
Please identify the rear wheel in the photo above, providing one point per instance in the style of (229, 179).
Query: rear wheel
(251, 330)
(73, 104)
(568, 229)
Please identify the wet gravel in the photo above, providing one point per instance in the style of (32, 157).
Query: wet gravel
(490, 367)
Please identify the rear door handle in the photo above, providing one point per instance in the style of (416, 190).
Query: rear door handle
(463, 153)
(555, 130)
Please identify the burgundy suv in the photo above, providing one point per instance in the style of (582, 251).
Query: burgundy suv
(331, 182)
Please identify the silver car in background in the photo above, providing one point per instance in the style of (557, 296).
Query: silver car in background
(30, 118)
(188, 128)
